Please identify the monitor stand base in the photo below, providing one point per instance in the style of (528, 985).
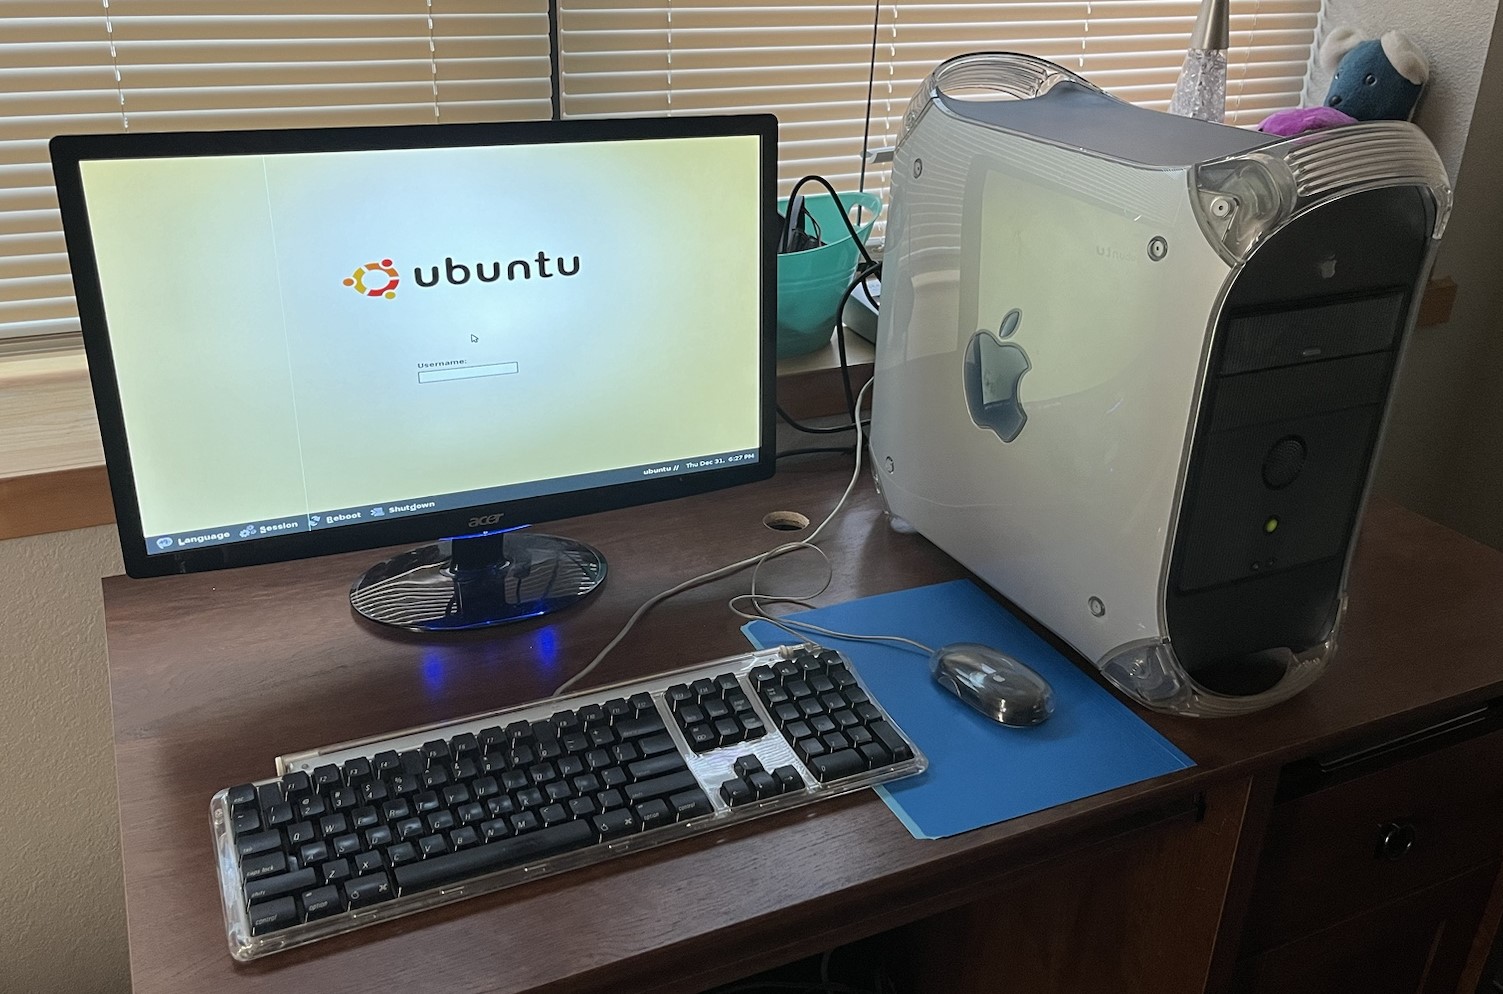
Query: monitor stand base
(478, 581)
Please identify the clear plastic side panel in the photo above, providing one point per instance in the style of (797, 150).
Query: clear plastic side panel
(710, 768)
(1243, 199)
(1009, 75)
(1150, 672)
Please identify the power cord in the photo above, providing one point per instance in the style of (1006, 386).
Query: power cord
(757, 600)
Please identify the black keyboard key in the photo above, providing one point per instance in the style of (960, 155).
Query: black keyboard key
(363, 891)
(321, 902)
(435, 751)
(788, 778)
(810, 706)
(470, 814)
(296, 784)
(310, 807)
(374, 791)
(691, 714)
(357, 771)
(736, 791)
(704, 687)
(834, 765)
(500, 805)
(663, 786)
(345, 845)
(874, 755)
(763, 784)
(343, 798)
(859, 735)
(434, 777)
(746, 766)
(651, 814)
(267, 888)
(867, 711)
(441, 821)
(246, 821)
(269, 916)
(463, 838)
(385, 762)
(727, 731)
(822, 724)
(485, 787)
(835, 742)
(690, 804)
(577, 742)
(891, 741)
(841, 676)
(312, 853)
(553, 814)
(613, 776)
(738, 702)
(491, 736)
(784, 713)
(260, 842)
(456, 794)
(269, 794)
(513, 780)
(701, 738)
(796, 730)
(530, 797)
(412, 761)
(549, 749)
(716, 709)
(786, 670)
(635, 728)
(496, 828)
(640, 703)
(591, 715)
(336, 870)
(753, 727)
(775, 696)
(326, 776)
(569, 766)
(821, 684)
(464, 744)
(401, 854)
(557, 791)
(610, 800)
(409, 828)
(425, 802)
(677, 696)
(581, 807)
(244, 793)
(432, 845)
(798, 689)
(525, 821)
(656, 766)
(265, 865)
(828, 657)
(587, 783)
(615, 824)
(807, 749)
(761, 676)
(396, 811)
(601, 736)
(333, 825)
(652, 745)
(494, 856)
(833, 702)
(845, 718)
(625, 752)
(279, 815)
(368, 862)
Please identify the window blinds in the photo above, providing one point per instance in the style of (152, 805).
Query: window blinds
(109, 65)
(76, 66)
(808, 63)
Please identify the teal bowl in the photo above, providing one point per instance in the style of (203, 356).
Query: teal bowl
(810, 283)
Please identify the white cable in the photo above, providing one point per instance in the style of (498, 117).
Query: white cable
(754, 561)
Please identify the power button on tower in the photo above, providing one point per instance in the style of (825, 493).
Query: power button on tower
(1283, 462)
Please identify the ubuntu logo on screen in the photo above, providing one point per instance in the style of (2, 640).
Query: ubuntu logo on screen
(363, 283)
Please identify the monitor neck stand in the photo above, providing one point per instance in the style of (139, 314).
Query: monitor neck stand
(478, 581)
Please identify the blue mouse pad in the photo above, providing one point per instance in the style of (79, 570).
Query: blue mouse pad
(981, 772)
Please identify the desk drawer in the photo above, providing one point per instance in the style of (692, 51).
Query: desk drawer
(1346, 848)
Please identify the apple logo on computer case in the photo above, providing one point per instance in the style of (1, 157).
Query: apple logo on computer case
(994, 369)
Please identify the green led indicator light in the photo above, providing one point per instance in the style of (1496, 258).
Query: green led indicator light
(1271, 525)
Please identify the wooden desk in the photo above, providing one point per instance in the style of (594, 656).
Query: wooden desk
(211, 676)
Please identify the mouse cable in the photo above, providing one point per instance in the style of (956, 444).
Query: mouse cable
(736, 567)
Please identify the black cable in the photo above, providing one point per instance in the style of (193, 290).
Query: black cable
(788, 214)
(816, 429)
(845, 366)
(846, 450)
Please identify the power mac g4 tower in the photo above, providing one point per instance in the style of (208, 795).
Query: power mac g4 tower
(1132, 368)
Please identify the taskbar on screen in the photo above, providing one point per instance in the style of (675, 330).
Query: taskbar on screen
(249, 531)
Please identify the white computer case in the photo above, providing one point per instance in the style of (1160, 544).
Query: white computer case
(1057, 266)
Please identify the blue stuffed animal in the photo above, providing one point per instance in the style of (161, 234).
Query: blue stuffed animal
(1379, 79)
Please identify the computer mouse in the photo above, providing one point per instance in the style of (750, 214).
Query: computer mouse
(993, 683)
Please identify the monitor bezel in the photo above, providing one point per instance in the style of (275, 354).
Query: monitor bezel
(68, 151)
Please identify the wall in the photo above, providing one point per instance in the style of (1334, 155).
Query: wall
(1442, 456)
(61, 899)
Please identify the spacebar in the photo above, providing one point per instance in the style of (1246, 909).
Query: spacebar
(493, 856)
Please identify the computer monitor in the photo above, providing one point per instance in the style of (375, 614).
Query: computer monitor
(317, 341)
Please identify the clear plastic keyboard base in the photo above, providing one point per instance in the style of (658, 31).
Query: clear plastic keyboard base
(367, 831)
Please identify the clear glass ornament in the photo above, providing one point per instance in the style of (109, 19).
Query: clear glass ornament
(1201, 90)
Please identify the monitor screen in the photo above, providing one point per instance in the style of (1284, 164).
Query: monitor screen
(313, 341)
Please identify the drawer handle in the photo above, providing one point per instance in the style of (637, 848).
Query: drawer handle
(1395, 839)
